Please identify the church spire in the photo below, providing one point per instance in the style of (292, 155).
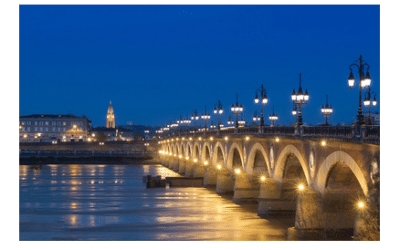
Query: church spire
(110, 117)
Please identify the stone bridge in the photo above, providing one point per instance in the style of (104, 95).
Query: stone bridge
(321, 174)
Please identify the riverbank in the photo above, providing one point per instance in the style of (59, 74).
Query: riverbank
(88, 160)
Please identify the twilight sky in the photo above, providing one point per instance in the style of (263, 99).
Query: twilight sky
(156, 62)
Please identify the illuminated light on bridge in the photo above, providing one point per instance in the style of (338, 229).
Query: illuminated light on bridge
(301, 187)
(180, 156)
(323, 143)
(219, 167)
(247, 138)
(206, 163)
(237, 171)
(187, 157)
(199, 138)
(226, 138)
(277, 139)
(262, 178)
(195, 160)
(211, 138)
(360, 205)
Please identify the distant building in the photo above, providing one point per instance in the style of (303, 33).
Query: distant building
(56, 128)
(110, 117)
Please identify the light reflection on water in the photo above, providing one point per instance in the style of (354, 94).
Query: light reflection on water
(110, 202)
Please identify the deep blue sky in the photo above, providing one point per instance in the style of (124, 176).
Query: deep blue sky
(158, 62)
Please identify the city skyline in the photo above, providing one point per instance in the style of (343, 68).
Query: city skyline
(159, 62)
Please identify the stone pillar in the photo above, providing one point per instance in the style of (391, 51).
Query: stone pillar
(270, 201)
(175, 165)
(243, 190)
(210, 176)
(225, 182)
(198, 170)
(182, 166)
(189, 169)
(309, 213)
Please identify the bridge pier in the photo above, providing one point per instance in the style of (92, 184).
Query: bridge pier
(198, 171)
(243, 189)
(225, 182)
(175, 164)
(318, 216)
(210, 176)
(189, 169)
(270, 201)
(182, 166)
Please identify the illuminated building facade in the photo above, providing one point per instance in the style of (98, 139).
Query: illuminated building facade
(110, 117)
(53, 128)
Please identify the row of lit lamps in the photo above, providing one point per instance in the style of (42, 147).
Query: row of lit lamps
(298, 98)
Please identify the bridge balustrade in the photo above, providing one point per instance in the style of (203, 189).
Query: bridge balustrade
(248, 130)
(337, 131)
(369, 134)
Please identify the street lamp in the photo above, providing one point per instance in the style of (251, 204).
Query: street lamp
(364, 81)
(230, 121)
(212, 126)
(264, 100)
(186, 121)
(273, 117)
(242, 122)
(299, 99)
(237, 109)
(205, 116)
(256, 117)
(218, 110)
(195, 117)
(368, 102)
(326, 111)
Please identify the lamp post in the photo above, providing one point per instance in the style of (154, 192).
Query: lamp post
(205, 117)
(264, 100)
(180, 121)
(212, 126)
(195, 117)
(256, 117)
(368, 102)
(230, 121)
(364, 81)
(237, 109)
(299, 99)
(242, 122)
(187, 121)
(326, 111)
(218, 110)
(273, 117)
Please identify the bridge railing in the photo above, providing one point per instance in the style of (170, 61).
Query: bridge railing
(362, 134)
(328, 131)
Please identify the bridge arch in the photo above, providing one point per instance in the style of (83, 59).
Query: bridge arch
(218, 154)
(196, 151)
(206, 154)
(182, 150)
(234, 156)
(257, 152)
(330, 162)
(281, 163)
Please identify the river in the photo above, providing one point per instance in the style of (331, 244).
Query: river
(111, 203)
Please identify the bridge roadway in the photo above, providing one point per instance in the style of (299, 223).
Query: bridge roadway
(320, 173)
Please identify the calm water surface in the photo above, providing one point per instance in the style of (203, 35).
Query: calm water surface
(110, 202)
